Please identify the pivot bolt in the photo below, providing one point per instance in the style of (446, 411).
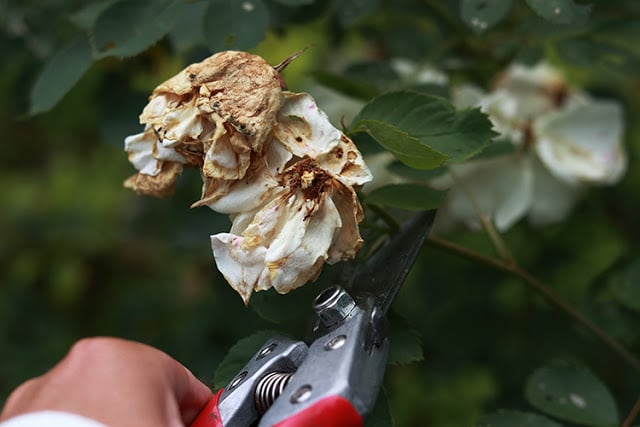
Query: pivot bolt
(333, 305)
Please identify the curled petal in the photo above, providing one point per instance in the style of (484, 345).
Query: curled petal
(345, 162)
(306, 132)
(241, 267)
(153, 112)
(241, 88)
(254, 189)
(140, 149)
(584, 143)
(347, 240)
(180, 125)
(228, 157)
(303, 128)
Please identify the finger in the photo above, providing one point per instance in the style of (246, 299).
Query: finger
(190, 393)
(20, 398)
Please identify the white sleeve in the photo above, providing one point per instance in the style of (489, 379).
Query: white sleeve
(50, 419)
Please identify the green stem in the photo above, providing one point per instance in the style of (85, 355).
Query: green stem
(633, 414)
(543, 289)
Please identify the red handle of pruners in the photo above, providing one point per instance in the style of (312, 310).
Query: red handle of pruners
(332, 411)
(209, 416)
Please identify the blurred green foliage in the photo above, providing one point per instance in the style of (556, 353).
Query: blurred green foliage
(82, 256)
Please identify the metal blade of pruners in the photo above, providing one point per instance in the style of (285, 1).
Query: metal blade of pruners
(382, 275)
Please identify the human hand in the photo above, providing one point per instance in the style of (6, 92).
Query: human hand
(116, 382)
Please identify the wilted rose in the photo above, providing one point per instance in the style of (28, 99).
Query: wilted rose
(269, 158)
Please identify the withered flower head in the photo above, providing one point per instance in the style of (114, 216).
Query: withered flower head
(212, 115)
(298, 210)
(269, 158)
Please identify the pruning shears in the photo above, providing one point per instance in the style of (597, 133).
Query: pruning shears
(333, 380)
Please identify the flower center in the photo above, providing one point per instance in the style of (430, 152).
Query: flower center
(307, 176)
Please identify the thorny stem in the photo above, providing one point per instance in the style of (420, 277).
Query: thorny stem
(496, 240)
(546, 292)
(635, 410)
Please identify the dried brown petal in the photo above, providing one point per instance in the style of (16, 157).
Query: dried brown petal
(160, 185)
(241, 88)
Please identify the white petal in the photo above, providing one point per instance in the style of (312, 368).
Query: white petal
(521, 95)
(282, 247)
(296, 255)
(539, 75)
(583, 143)
(167, 152)
(345, 163)
(182, 124)
(553, 199)
(338, 107)
(418, 73)
(228, 157)
(501, 186)
(153, 111)
(510, 112)
(140, 148)
(254, 189)
(303, 128)
(241, 267)
(466, 96)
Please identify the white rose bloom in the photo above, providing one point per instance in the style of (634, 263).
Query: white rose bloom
(506, 189)
(565, 140)
(415, 73)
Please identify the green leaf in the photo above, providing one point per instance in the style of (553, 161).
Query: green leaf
(597, 55)
(625, 284)
(349, 12)
(129, 27)
(481, 15)
(560, 11)
(86, 17)
(424, 131)
(295, 2)
(573, 394)
(508, 418)
(238, 356)
(406, 345)
(623, 33)
(188, 31)
(402, 170)
(237, 25)
(59, 75)
(288, 309)
(499, 148)
(412, 197)
(406, 148)
(356, 89)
